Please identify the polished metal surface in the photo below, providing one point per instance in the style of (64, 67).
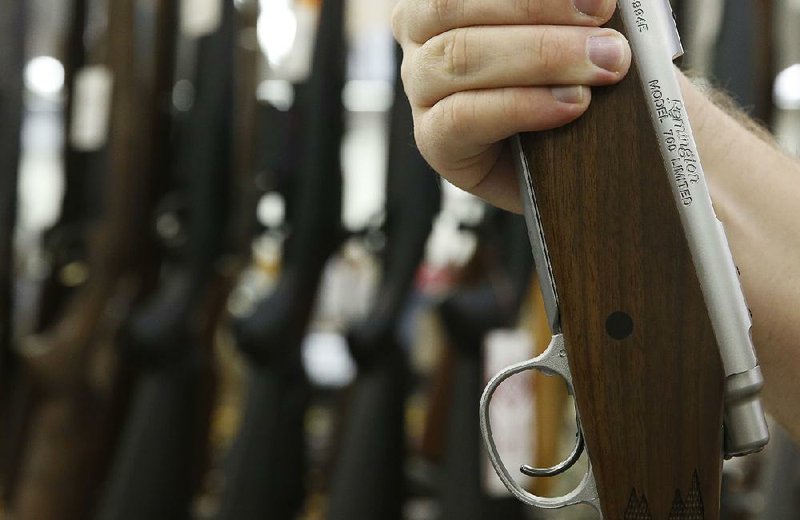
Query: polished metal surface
(553, 361)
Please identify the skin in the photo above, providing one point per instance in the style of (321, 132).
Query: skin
(477, 72)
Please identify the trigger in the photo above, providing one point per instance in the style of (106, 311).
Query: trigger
(561, 467)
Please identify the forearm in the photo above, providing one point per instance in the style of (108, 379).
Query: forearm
(756, 192)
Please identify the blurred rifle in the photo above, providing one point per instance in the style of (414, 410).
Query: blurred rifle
(12, 38)
(369, 479)
(163, 453)
(744, 58)
(468, 315)
(731, 43)
(81, 388)
(266, 467)
(64, 245)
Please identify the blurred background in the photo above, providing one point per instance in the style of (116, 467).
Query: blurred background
(230, 287)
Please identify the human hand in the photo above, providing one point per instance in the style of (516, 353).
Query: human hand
(479, 71)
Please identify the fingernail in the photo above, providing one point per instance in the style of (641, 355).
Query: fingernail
(606, 52)
(572, 95)
(590, 7)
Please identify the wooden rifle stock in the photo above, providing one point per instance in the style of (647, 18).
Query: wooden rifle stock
(646, 370)
(265, 473)
(67, 241)
(63, 243)
(369, 478)
(71, 363)
(468, 316)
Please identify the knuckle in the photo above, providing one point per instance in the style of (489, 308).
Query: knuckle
(530, 9)
(545, 49)
(423, 134)
(437, 62)
(397, 21)
(406, 76)
(460, 113)
(459, 56)
(415, 76)
(514, 105)
(447, 11)
(446, 123)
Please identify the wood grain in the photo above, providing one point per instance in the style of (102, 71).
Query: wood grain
(650, 404)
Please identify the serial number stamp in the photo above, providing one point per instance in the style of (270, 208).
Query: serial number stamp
(641, 18)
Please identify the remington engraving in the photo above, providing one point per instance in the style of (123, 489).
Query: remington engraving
(678, 173)
(658, 100)
(683, 160)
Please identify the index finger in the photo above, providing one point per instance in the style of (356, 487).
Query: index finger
(420, 20)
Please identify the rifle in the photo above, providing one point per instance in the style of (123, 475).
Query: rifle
(82, 388)
(468, 316)
(369, 480)
(12, 38)
(161, 457)
(12, 32)
(64, 244)
(638, 315)
(265, 471)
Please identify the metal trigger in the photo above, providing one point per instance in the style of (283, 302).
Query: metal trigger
(562, 466)
(553, 361)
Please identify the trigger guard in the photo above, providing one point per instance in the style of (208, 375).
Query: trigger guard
(554, 361)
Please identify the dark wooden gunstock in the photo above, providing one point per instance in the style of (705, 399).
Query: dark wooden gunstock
(649, 395)
(71, 364)
(67, 241)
